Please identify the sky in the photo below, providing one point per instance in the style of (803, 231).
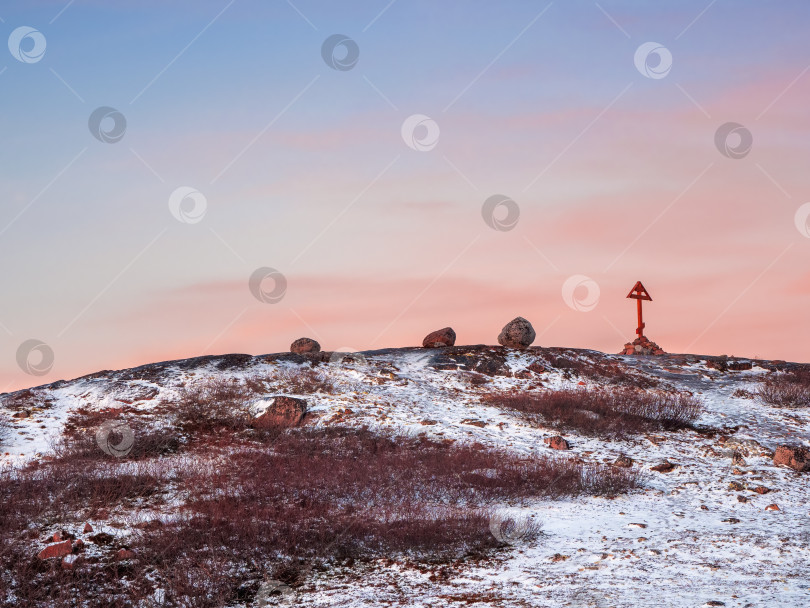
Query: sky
(192, 178)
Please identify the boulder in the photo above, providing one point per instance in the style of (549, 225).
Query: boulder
(518, 333)
(664, 467)
(304, 346)
(283, 410)
(56, 550)
(439, 338)
(623, 461)
(797, 458)
(557, 443)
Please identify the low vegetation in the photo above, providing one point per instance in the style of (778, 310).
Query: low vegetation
(786, 389)
(609, 412)
(245, 508)
(605, 372)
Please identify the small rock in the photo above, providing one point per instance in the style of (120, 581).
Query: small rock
(664, 467)
(731, 520)
(69, 562)
(536, 368)
(518, 333)
(736, 486)
(439, 338)
(557, 443)
(87, 529)
(797, 458)
(283, 410)
(20, 415)
(559, 557)
(760, 489)
(478, 423)
(102, 538)
(303, 346)
(773, 507)
(636, 525)
(741, 498)
(714, 603)
(56, 550)
(623, 461)
(124, 554)
(738, 459)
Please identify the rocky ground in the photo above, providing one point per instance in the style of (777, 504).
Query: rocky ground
(702, 532)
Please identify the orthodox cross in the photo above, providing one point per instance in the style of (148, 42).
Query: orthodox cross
(638, 293)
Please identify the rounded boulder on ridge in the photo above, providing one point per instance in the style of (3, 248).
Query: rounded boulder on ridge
(303, 346)
(439, 338)
(518, 333)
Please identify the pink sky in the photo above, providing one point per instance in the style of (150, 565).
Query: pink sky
(617, 178)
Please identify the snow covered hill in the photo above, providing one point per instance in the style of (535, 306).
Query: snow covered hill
(698, 535)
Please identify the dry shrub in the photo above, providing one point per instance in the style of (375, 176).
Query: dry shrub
(610, 372)
(314, 497)
(212, 406)
(788, 389)
(305, 381)
(320, 495)
(604, 412)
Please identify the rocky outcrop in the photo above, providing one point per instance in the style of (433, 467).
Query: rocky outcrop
(623, 461)
(664, 467)
(797, 458)
(305, 346)
(282, 410)
(557, 443)
(60, 549)
(440, 338)
(518, 333)
(642, 346)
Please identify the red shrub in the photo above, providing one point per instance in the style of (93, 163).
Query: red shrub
(605, 412)
(788, 389)
(311, 497)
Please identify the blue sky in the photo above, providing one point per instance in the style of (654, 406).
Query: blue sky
(304, 169)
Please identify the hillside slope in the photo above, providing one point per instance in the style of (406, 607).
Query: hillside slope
(685, 539)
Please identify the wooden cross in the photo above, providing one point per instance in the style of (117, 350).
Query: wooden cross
(638, 293)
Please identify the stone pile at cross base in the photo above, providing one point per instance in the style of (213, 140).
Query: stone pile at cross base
(642, 346)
